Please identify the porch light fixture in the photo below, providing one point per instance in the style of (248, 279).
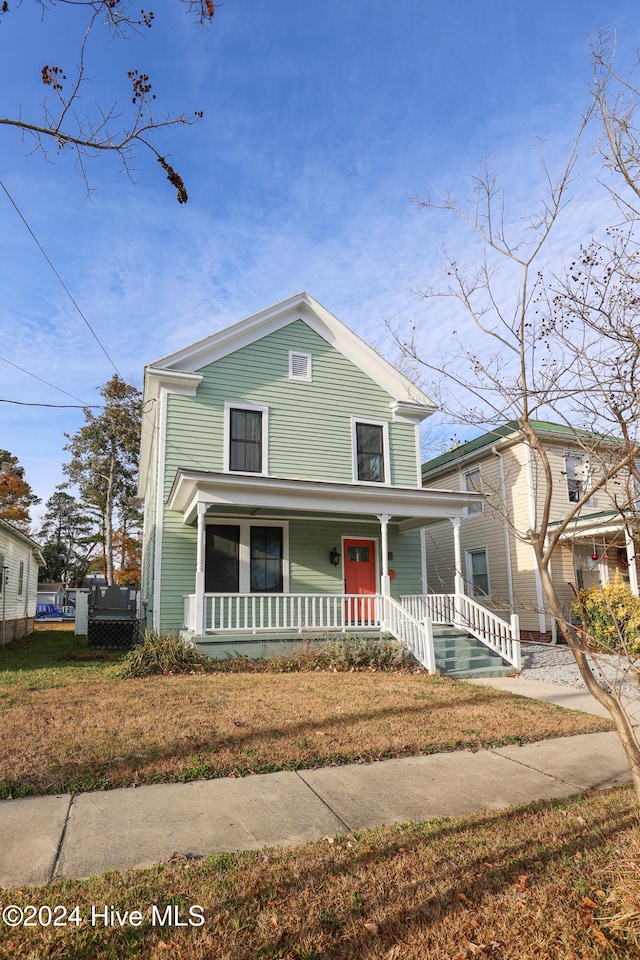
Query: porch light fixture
(334, 557)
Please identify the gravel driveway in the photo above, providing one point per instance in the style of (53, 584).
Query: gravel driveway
(555, 664)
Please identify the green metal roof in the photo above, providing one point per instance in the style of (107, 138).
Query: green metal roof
(487, 439)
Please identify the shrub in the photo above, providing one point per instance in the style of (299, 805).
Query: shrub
(342, 653)
(162, 655)
(611, 617)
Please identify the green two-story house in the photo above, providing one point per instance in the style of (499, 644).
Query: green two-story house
(280, 471)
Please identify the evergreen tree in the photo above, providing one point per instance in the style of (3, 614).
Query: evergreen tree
(104, 462)
(68, 538)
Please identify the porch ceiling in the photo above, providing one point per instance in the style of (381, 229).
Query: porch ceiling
(409, 507)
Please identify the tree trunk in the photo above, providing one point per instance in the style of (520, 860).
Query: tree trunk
(609, 701)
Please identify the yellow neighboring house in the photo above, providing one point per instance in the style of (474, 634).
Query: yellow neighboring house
(498, 564)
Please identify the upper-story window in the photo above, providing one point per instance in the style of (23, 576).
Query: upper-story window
(246, 438)
(578, 476)
(371, 451)
(473, 484)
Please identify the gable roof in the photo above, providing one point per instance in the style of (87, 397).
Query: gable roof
(178, 372)
(303, 307)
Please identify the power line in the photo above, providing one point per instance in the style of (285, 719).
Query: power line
(73, 406)
(62, 283)
(36, 377)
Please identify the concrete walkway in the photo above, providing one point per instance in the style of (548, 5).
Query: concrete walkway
(45, 838)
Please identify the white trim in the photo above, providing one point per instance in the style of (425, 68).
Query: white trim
(418, 457)
(308, 376)
(244, 546)
(468, 563)
(303, 307)
(386, 459)
(228, 407)
(412, 506)
(159, 518)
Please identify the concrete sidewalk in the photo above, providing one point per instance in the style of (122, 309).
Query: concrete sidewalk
(45, 838)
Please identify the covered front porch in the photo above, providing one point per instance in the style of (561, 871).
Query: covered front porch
(281, 560)
(603, 545)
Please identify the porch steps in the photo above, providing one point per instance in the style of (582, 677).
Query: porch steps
(463, 657)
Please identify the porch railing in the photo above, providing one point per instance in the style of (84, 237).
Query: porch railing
(254, 612)
(501, 636)
(261, 612)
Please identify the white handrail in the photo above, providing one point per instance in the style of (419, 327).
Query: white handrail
(466, 613)
(417, 636)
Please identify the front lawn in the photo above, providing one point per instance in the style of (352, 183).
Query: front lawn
(69, 725)
(544, 882)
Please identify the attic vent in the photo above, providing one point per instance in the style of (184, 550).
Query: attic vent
(299, 366)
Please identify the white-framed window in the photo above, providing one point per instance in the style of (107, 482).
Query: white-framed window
(2, 572)
(477, 562)
(246, 430)
(21, 578)
(246, 557)
(578, 473)
(300, 367)
(472, 483)
(370, 440)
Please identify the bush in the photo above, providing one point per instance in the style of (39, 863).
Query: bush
(611, 617)
(162, 655)
(342, 653)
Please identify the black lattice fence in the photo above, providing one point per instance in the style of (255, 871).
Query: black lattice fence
(113, 620)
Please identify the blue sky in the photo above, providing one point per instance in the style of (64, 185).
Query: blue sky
(322, 118)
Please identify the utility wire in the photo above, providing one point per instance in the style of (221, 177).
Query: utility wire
(36, 377)
(63, 284)
(73, 406)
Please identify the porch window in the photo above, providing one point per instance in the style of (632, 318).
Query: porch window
(266, 560)
(242, 557)
(222, 566)
(478, 572)
(370, 443)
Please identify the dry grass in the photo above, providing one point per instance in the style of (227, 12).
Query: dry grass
(68, 725)
(525, 884)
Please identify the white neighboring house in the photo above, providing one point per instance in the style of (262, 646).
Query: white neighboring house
(20, 560)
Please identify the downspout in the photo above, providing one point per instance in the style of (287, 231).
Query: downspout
(507, 538)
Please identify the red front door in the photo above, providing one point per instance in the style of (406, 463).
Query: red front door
(360, 581)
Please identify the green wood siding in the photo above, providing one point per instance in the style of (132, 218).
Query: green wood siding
(309, 423)
(310, 542)
(309, 437)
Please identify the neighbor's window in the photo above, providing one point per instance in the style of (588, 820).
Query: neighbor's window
(478, 572)
(473, 484)
(20, 578)
(370, 454)
(577, 470)
(246, 440)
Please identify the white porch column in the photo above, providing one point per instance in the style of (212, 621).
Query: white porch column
(458, 581)
(200, 552)
(631, 557)
(385, 582)
(458, 578)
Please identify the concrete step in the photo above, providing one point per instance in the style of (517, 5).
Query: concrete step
(459, 655)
